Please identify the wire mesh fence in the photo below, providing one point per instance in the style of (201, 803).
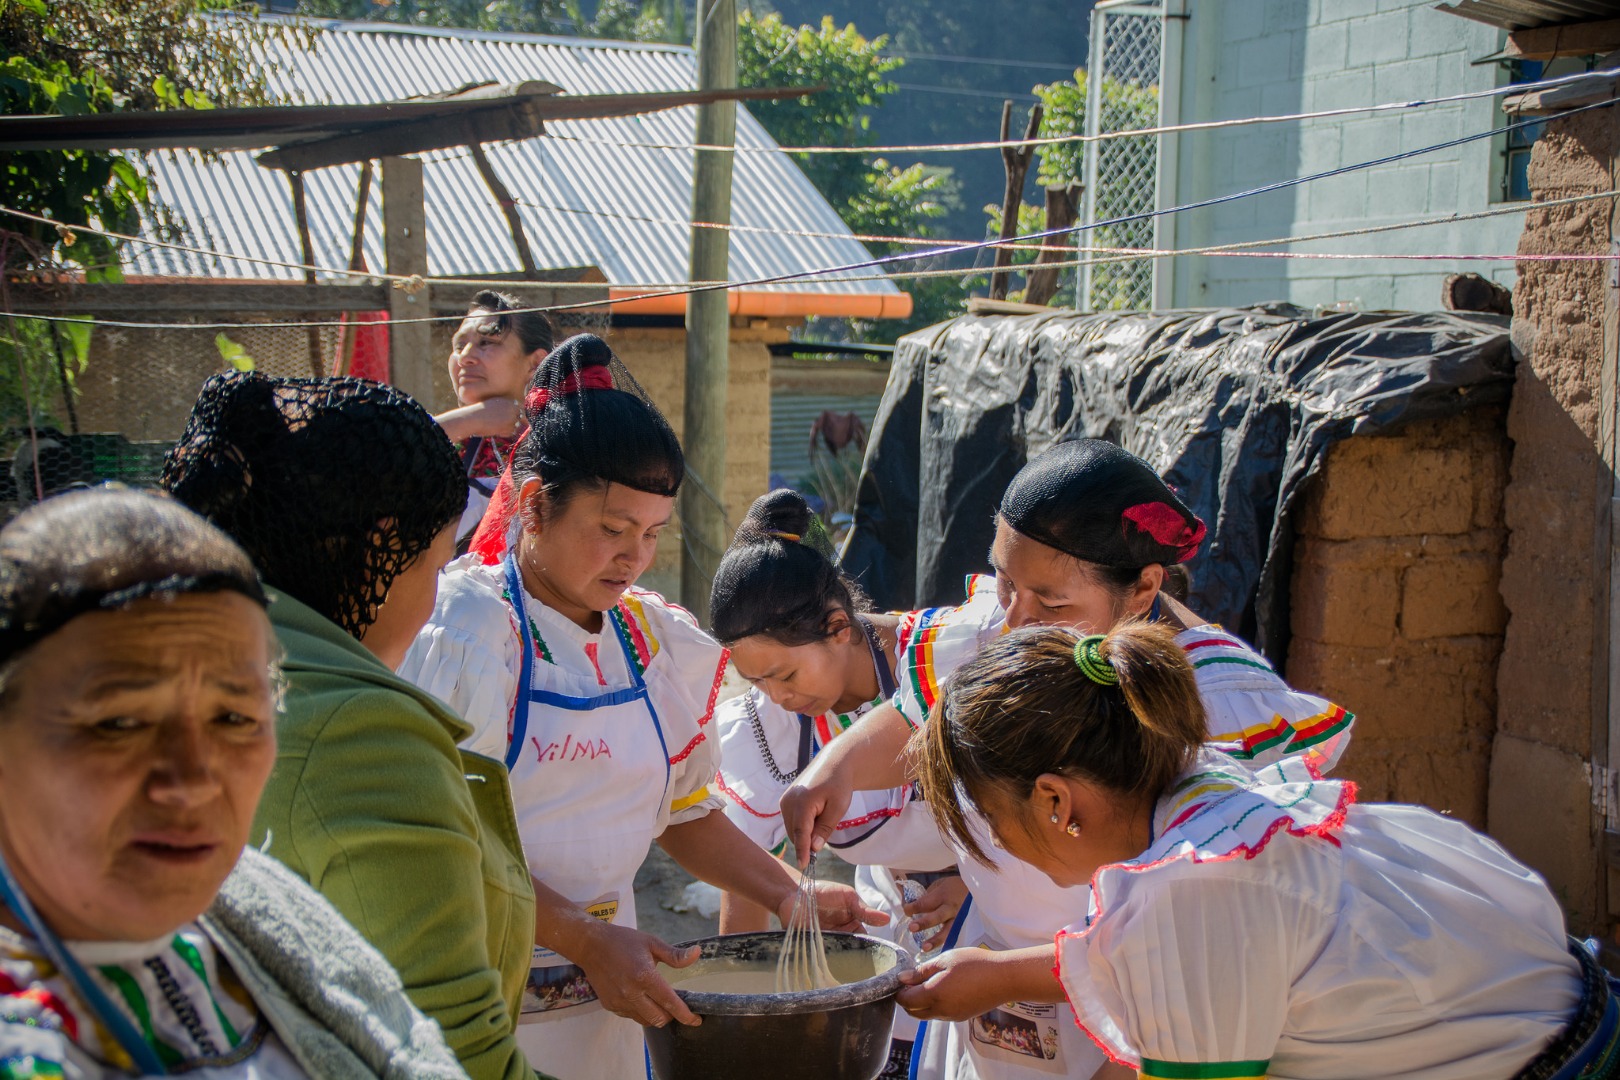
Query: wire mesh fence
(1122, 174)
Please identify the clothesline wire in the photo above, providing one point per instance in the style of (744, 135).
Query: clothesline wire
(918, 241)
(1106, 136)
(700, 287)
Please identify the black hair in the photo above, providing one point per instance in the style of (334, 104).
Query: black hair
(780, 577)
(98, 549)
(590, 425)
(1102, 505)
(507, 313)
(333, 486)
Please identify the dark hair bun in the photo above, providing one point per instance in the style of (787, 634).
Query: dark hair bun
(780, 577)
(776, 514)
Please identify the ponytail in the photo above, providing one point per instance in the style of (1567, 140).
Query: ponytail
(1119, 710)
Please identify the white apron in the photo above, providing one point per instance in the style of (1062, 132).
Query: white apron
(1013, 906)
(591, 779)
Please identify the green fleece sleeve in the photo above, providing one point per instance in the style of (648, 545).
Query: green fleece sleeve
(384, 825)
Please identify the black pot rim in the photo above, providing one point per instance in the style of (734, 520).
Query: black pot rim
(880, 986)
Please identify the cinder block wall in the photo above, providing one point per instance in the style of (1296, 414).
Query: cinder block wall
(1397, 614)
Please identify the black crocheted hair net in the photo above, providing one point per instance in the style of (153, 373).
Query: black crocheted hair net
(780, 577)
(104, 548)
(332, 485)
(1100, 504)
(591, 423)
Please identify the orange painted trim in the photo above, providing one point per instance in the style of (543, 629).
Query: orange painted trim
(773, 304)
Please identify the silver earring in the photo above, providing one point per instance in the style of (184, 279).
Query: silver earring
(1054, 819)
(1073, 828)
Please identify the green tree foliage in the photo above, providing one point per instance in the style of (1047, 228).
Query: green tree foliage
(872, 195)
(627, 20)
(1127, 106)
(70, 58)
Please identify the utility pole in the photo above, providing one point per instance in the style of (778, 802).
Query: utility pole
(708, 316)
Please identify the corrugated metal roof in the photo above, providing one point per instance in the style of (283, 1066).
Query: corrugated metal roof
(1529, 14)
(578, 199)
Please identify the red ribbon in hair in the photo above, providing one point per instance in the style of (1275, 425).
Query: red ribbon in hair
(489, 539)
(595, 378)
(1167, 527)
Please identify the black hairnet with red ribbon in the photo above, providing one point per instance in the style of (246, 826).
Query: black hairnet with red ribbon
(1101, 504)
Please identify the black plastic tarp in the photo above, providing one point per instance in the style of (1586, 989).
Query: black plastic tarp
(1235, 406)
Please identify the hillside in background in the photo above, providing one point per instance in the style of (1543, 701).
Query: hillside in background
(962, 61)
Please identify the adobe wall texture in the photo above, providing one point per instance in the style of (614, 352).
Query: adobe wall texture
(1396, 610)
(1555, 580)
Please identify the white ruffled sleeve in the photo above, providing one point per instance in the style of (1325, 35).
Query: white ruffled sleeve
(468, 656)
(1187, 964)
(684, 680)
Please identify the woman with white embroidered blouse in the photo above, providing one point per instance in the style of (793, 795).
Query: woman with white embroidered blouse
(1249, 923)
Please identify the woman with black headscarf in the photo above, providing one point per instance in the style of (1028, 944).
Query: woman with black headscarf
(345, 493)
(1085, 535)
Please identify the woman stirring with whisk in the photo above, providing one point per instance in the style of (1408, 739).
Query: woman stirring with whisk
(799, 631)
(599, 697)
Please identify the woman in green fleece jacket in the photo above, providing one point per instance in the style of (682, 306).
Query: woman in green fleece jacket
(346, 495)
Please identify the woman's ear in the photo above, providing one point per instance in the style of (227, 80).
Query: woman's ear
(537, 358)
(840, 629)
(1051, 802)
(532, 504)
(1149, 583)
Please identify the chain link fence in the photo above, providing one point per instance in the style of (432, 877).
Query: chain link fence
(1122, 174)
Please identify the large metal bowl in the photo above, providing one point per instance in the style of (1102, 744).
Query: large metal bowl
(837, 1034)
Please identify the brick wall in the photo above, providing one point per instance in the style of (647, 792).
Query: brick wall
(1397, 614)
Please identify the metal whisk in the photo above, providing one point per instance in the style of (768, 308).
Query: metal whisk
(802, 964)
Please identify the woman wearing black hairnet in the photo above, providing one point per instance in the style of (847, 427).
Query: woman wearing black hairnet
(345, 493)
(1085, 537)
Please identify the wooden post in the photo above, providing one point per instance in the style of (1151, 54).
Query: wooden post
(357, 261)
(708, 315)
(1062, 208)
(503, 199)
(1016, 161)
(411, 363)
(301, 218)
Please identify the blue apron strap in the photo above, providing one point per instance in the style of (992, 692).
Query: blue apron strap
(520, 707)
(117, 1025)
(950, 943)
(640, 690)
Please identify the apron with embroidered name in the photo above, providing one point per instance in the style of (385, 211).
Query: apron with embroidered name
(590, 776)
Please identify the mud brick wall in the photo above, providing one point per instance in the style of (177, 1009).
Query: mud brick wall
(1544, 805)
(1396, 609)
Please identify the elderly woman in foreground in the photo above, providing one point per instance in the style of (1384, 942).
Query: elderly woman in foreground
(345, 494)
(137, 936)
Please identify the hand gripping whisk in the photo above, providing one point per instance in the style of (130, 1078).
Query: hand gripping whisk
(802, 964)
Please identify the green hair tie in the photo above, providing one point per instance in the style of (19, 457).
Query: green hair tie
(1088, 658)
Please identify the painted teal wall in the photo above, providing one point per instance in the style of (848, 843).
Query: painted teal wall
(1266, 57)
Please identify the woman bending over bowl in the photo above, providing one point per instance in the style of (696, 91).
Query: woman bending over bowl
(138, 936)
(1247, 923)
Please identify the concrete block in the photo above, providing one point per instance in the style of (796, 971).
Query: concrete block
(1339, 89)
(1264, 60)
(1405, 80)
(1541, 811)
(1452, 597)
(1377, 39)
(1326, 45)
(1363, 140)
(1399, 192)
